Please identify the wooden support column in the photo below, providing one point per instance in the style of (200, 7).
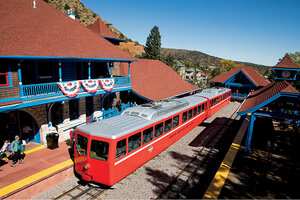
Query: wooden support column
(20, 80)
(250, 133)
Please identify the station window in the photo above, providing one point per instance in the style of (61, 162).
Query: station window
(195, 111)
(57, 114)
(184, 117)
(134, 142)
(175, 121)
(81, 144)
(159, 129)
(73, 109)
(168, 125)
(147, 135)
(121, 148)
(99, 150)
(190, 115)
(4, 75)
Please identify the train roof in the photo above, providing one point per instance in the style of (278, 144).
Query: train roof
(135, 118)
(213, 92)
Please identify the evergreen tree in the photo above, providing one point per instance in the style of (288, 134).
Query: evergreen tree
(153, 45)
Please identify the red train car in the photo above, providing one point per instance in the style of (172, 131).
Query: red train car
(108, 150)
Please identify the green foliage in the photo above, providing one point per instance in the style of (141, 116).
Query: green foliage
(121, 36)
(94, 15)
(295, 57)
(170, 61)
(153, 44)
(76, 13)
(67, 7)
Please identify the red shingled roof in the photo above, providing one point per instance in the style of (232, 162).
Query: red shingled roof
(287, 63)
(47, 32)
(100, 28)
(252, 74)
(259, 96)
(155, 80)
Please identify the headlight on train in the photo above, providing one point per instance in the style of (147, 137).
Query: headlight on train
(86, 166)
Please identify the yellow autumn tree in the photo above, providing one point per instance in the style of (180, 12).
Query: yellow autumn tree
(226, 65)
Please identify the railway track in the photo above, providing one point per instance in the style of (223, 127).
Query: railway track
(202, 166)
(81, 192)
(189, 177)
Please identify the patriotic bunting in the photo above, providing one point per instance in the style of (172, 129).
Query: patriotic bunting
(70, 89)
(107, 84)
(90, 85)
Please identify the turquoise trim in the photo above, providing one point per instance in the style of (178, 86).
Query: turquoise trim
(9, 99)
(254, 109)
(229, 79)
(57, 99)
(10, 85)
(286, 69)
(66, 58)
(116, 39)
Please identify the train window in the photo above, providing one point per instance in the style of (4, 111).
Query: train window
(195, 111)
(175, 121)
(199, 109)
(190, 115)
(134, 142)
(81, 144)
(99, 150)
(147, 135)
(184, 117)
(121, 148)
(168, 125)
(159, 129)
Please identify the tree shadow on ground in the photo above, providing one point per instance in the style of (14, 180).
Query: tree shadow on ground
(267, 171)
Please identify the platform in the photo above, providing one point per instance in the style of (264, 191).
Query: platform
(41, 165)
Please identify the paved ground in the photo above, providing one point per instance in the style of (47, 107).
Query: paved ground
(152, 178)
(266, 173)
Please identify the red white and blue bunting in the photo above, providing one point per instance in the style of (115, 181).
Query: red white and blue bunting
(70, 89)
(90, 85)
(107, 84)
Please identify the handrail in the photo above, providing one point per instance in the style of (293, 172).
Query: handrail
(43, 90)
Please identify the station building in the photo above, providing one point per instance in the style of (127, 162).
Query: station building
(54, 71)
(278, 100)
(241, 80)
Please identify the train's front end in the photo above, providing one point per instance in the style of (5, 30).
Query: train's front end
(91, 155)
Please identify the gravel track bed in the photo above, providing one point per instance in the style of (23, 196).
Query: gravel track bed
(153, 177)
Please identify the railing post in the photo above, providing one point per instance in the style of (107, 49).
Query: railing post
(59, 72)
(20, 80)
(89, 68)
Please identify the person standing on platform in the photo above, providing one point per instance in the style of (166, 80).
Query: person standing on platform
(17, 148)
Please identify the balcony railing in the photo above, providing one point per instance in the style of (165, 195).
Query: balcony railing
(238, 96)
(45, 90)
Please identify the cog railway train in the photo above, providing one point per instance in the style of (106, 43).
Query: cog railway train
(107, 151)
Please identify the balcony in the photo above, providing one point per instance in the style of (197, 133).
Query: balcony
(49, 90)
(238, 96)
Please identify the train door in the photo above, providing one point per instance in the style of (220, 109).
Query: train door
(89, 105)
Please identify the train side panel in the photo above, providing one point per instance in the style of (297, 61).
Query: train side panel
(127, 164)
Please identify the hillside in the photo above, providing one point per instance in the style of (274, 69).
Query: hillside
(87, 17)
(207, 60)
